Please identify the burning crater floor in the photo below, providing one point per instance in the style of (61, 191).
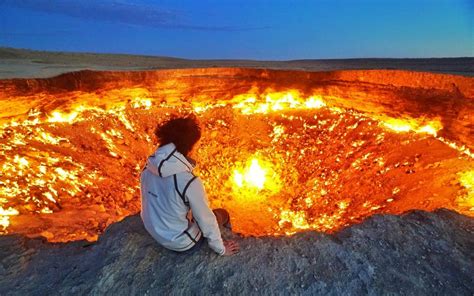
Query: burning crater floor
(280, 160)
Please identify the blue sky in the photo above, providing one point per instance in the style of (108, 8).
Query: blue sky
(246, 29)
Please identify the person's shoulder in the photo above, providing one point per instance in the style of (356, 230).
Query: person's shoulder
(189, 177)
(186, 175)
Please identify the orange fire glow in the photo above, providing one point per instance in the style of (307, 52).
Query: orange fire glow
(280, 161)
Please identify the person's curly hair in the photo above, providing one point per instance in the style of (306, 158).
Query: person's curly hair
(183, 132)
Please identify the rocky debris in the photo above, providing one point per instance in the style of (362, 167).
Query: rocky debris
(419, 253)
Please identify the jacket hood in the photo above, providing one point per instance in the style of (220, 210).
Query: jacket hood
(167, 161)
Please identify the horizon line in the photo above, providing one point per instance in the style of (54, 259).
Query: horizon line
(228, 59)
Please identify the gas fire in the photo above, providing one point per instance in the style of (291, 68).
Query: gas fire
(254, 175)
(279, 161)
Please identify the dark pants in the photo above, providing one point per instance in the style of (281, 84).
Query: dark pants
(223, 220)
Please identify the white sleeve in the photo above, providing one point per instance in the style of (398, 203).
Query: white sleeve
(204, 216)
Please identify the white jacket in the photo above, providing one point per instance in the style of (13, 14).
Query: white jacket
(168, 191)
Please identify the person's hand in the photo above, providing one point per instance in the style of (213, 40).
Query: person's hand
(231, 248)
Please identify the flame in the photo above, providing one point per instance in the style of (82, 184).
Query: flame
(297, 220)
(466, 179)
(254, 176)
(274, 102)
(5, 217)
(57, 116)
(144, 103)
(461, 148)
(430, 127)
(314, 102)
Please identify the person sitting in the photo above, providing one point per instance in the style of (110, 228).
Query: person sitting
(174, 206)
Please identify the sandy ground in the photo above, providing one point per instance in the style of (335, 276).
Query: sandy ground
(20, 63)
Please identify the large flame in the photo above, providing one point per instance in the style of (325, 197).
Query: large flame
(256, 175)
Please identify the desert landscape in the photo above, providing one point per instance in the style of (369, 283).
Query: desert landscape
(367, 165)
(24, 63)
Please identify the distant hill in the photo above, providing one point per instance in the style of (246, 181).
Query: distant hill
(25, 63)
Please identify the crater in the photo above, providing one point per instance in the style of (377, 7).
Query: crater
(282, 151)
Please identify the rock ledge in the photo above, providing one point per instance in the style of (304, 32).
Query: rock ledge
(419, 253)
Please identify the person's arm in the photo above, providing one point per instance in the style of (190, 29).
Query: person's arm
(204, 216)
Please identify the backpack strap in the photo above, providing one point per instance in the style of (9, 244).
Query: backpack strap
(163, 161)
(189, 168)
(183, 194)
(194, 240)
(187, 186)
(190, 237)
(175, 179)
